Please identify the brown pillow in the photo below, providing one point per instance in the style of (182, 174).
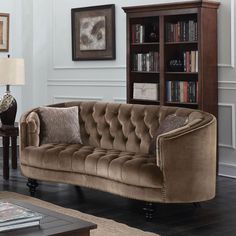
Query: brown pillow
(59, 125)
(170, 123)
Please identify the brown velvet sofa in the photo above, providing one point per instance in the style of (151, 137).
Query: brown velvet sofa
(114, 156)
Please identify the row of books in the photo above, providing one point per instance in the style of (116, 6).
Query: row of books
(138, 33)
(16, 217)
(182, 91)
(146, 61)
(181, 31)
(190, 59)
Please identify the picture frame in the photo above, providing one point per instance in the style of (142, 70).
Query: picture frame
(4, 32)
(93, 33)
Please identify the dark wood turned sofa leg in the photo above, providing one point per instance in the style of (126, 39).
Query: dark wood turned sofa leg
(32, 184)
(197, 204)
(149, 210)
(80, 193)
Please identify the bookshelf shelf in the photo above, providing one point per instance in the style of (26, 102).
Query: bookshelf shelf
(145, 101)
(180, 43)
(181, 36)
(145, 72)
(145, 44)
(181, 73)
(183, 103)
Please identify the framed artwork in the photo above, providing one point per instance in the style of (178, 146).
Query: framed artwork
(93, 33)
(4, 32)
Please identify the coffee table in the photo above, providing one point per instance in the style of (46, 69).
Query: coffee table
(53, 223)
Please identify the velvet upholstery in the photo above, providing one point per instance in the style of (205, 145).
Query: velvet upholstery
(170, 123)
(114, 156)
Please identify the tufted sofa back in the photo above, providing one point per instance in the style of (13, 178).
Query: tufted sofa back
(124, 127)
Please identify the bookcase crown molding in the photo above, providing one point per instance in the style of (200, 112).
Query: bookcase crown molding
(174, 6)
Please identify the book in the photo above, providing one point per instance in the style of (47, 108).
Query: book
(146, 62)
(182, 91)
(190, 61)
(181, 31)
(138, 33)
(19, 226)
(20, 221)
(9, 211)
(13, 216)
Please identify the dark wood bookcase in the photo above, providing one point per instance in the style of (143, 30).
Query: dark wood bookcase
(174, 47)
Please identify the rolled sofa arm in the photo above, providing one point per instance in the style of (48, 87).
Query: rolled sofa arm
(187, 159)
(29, 129)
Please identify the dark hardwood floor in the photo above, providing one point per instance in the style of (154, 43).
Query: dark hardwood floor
(216, 217)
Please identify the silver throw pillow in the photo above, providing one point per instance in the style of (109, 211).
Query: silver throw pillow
(59, 125)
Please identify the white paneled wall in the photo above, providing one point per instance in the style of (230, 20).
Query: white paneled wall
(54, 77)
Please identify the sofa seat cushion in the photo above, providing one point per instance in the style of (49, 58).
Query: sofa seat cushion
(126, 167)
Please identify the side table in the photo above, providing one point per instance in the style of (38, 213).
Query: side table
(7, 132)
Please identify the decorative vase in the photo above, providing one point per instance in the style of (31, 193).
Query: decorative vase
(175, 65)
(8, 108)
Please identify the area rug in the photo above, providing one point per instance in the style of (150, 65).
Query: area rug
(105, 227)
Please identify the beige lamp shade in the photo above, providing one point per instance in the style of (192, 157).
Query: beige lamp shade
(12, 71)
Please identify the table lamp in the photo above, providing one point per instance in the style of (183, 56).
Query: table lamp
(12, 72)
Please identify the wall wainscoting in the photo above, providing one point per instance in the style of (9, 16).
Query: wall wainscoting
(227, 170)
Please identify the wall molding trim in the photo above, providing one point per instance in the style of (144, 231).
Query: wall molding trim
(227, 85)
(119, 99)
(88, 67)
(85, 80)
(227, 170)
(232, 38)
(79, 98)
(233, 137)
(227, 82)
(50, 84)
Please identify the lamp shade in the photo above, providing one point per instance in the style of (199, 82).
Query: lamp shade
(12, 71)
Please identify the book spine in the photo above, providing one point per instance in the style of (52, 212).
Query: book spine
(187, 31)
(184, 59)
(181, 91)
(172, 33)
(178, 31)
(188, 91)
(190, 30)
(196, 91)
(139, 62)
(187, 61)
(185, 91)
(184, 31)
(196, 61)
(167, 91)
(193, 61)
(168, 32)
(142, 33)
(148, 62)
(151, 61)
(178, 91)
(19, 226)
(196, 31)
(172, 91)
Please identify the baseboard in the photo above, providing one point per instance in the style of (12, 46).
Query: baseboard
(227, 170)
